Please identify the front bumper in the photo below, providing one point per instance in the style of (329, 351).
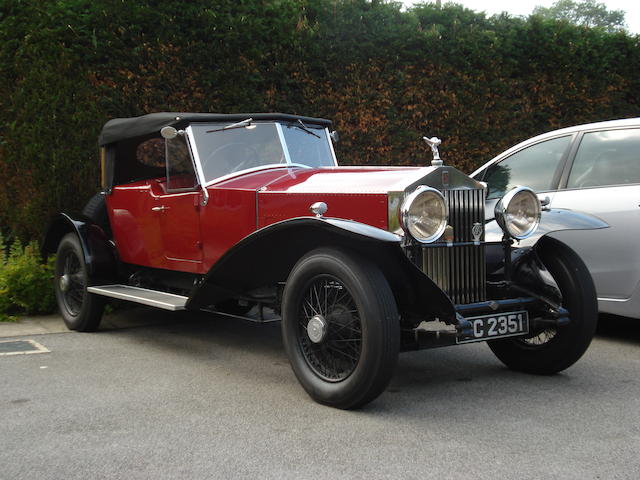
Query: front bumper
(541, 315)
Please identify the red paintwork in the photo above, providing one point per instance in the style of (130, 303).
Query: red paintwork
(346, 180)
(168, 239)
(191, 238)
(352, 193)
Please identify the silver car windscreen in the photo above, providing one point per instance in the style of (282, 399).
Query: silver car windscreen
(224, 151)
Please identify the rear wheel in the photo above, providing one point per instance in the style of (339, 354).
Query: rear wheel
(96, 210)
(340, 326)
(80, 309)
(553, 349)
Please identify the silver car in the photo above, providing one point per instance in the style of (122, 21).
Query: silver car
(594, 168)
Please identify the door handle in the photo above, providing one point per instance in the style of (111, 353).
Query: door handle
(161, 208)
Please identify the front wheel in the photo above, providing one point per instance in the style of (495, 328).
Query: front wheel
(554, 349)
(340, 327)
(81, 310)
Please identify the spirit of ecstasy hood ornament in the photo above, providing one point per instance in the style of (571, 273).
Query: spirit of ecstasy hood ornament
(433, 142)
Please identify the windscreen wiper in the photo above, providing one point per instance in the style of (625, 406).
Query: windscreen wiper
(243, 123)
(304, 128)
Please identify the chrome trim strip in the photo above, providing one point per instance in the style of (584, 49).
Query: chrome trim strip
(619, 300)
(283, 144)
(333, 152)
(198, 164)
(258, 208)
(394, 200)
(145, 296)
(252, 170)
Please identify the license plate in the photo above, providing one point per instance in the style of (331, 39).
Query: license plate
(488, 327)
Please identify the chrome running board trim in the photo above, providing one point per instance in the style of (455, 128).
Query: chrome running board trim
(153, 298)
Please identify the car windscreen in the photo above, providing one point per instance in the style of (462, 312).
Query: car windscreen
(308, 145)
(223, 151)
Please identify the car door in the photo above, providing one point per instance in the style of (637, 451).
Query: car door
(538, 166)
(177, 215)
(155, 215)
(176, 206)
(604, 180)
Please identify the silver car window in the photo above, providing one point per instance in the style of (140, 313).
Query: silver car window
(610, 157)
(533, 166)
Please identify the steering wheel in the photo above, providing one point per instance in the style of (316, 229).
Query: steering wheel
(250, 154)
(252, 161)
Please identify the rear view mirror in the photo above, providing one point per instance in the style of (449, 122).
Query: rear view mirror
(168, 133)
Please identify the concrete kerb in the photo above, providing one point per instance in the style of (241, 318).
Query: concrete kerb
(44, 324)
(38, 325)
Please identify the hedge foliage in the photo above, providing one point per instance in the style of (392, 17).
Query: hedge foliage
(385, 76)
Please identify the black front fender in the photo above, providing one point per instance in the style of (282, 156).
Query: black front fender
(528, 273)
(267, 256)
(553, 220)
(527, 270)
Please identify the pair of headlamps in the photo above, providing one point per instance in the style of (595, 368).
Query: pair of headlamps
(424, 214)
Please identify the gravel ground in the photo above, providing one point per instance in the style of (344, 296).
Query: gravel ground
(195, 396)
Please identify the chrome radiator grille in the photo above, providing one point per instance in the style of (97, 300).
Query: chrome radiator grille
(459, 270)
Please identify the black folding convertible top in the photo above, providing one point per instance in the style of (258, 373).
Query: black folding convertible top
(125, 128)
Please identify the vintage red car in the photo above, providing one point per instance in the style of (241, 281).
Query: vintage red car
(250, 213)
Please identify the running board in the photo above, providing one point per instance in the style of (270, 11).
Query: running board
(153, 298)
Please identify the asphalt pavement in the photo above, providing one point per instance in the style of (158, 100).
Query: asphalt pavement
(195, 396)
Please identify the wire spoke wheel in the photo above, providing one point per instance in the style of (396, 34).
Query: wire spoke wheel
(330, 330)
(340, 327)
(545, 336)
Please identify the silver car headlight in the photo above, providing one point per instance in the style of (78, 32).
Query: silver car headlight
(424, 215)
(518, 212)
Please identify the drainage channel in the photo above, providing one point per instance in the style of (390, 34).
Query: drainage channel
(21, 347)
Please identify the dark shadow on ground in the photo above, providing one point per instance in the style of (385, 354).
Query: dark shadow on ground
(619, 328)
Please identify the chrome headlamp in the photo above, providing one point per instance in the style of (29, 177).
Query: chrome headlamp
(518, 212)
(424, 215)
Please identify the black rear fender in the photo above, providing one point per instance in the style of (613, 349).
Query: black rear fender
(99, 252)
(267, 256)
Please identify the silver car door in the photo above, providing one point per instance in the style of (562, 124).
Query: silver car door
(605, 181)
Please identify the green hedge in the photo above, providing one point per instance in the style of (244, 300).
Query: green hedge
(386, 77)
(25, 281)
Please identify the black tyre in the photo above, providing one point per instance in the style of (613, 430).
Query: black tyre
(96, 210)
(341, 328)
(554, 349)
(81, 310)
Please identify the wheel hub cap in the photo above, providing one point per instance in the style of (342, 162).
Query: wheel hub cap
(64, 282)
(317, 328)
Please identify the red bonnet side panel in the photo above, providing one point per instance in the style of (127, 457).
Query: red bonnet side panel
(369, 208)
